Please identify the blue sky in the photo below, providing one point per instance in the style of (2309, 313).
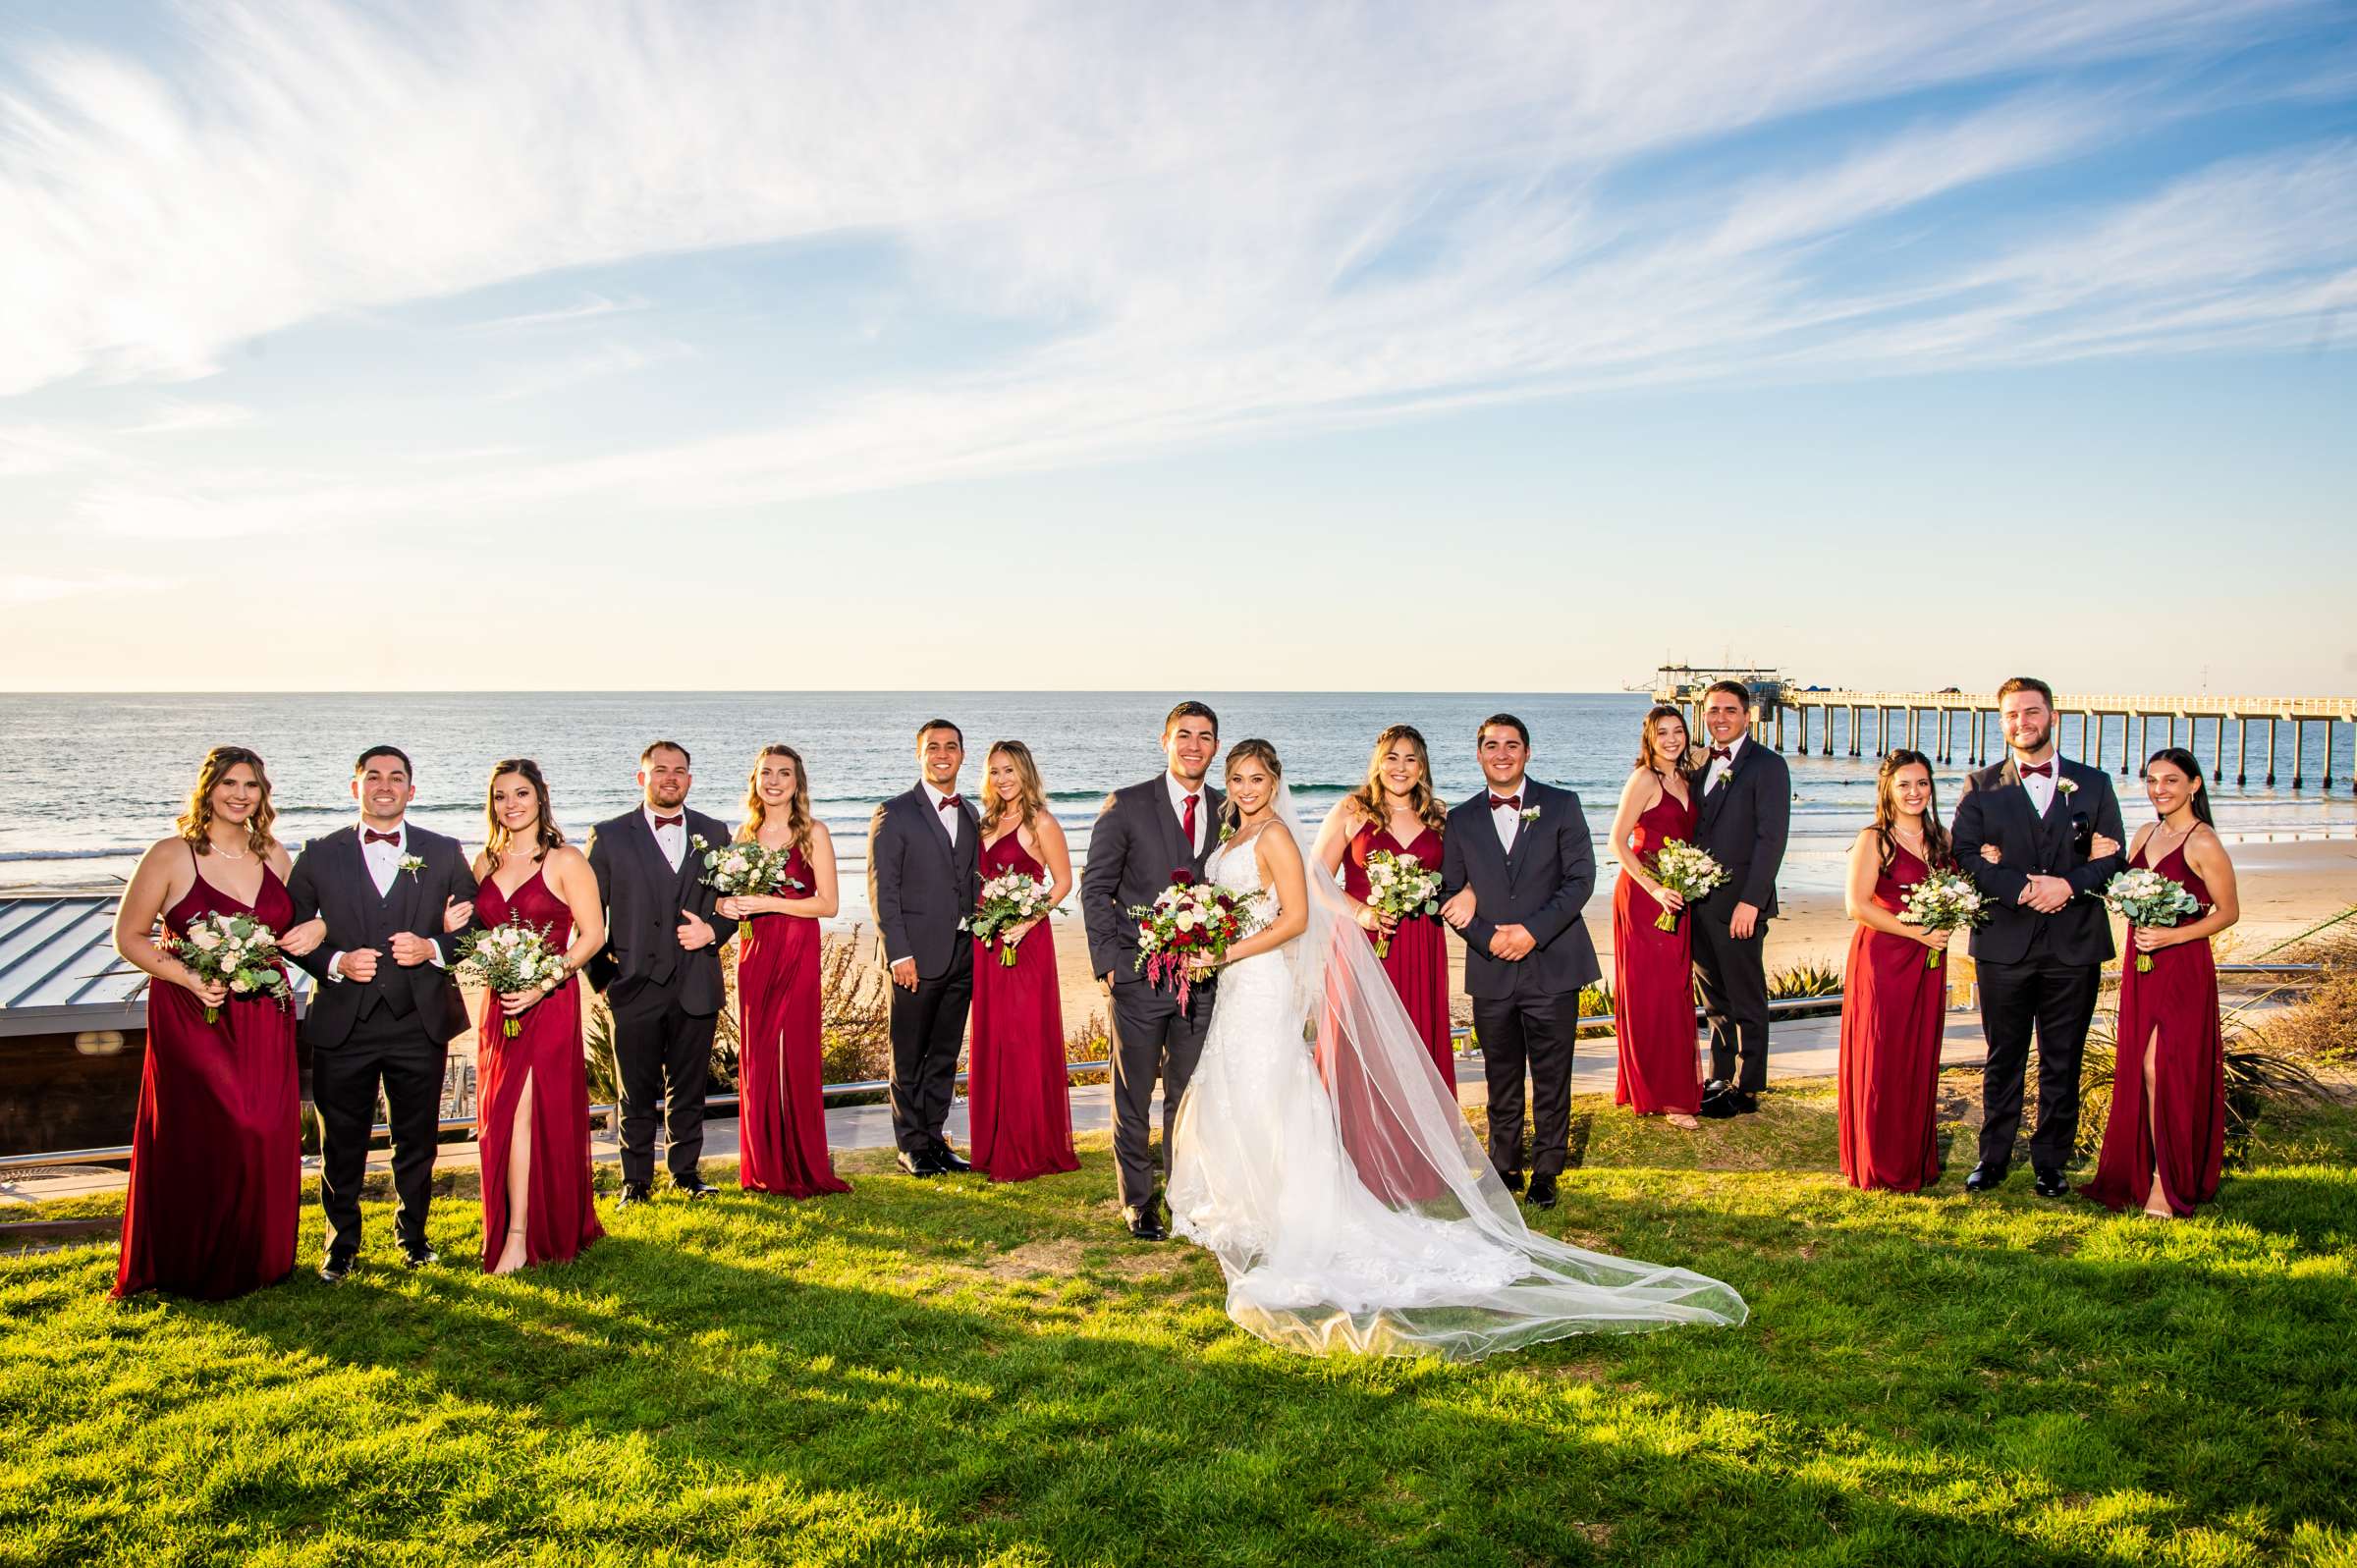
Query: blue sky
(1289, 345)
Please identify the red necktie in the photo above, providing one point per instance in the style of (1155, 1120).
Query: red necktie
(670, 822)
(1721, 754)
(947, 801)
(1505, 802)
(1187, 820)
(371, 835)
(2040, 769)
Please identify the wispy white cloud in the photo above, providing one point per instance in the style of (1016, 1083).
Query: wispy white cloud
(587, 308)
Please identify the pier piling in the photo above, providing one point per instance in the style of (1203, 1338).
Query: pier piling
(2242, 748)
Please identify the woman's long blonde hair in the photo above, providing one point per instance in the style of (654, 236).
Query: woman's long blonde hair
(1030, 795)
(195, 824)
(797, 809)
(1370, 796)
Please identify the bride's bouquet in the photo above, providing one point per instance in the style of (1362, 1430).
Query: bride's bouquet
(1686, 870)
(1943, 902)
(510, 958)
(238, 951)
(1400, 886)
(744, 870)
(1008, 899)
(2144, 898)
(1188, 920)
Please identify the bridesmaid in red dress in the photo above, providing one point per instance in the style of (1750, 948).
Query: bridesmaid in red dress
(1653, 973)
(1395, 810)
(216, 1155)
(2167, 1137)
(782, 1110)
(1896, 1004)
(533, 1091)
(1018, 1093)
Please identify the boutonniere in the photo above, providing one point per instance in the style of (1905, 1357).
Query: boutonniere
(412, 864)
(1719, 782)
(1530, 814)
(2069, 787)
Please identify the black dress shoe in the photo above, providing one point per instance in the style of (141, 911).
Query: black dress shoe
(917, 1164)
(696, 1187)
(420, 1257)
(334, 1271)
(1146, 1221)
(1513, 1180)
(950, 1160)
(1727, 1102)
(2052, 1184)
(1542, 1192)
(633, 1192)
(1985, 1177)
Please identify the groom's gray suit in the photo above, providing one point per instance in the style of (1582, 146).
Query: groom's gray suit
(1135, 845)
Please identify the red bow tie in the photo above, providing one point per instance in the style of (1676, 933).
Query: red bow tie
(947, 801)
(1505, 802)
(1721, 753)
(671, 822)
(2039, 769)
(371, 835)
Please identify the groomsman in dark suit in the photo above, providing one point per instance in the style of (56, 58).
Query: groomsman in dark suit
(385, 1007)
(1515, 871)
(1746, 817)
(660, 970)
(1145, 832)
(923, 875)
(2040, 958)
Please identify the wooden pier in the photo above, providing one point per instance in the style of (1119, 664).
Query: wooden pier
(1952, 726)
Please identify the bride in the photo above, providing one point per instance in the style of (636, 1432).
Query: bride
(1320, 1156)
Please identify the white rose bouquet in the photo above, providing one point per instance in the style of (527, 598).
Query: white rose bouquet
(1943, 902)
(1400, 886)
(1008, 899)
(235, 952)
(744, 870)
(1686, 870)
(509, 957)
(2144, 898)
(1188, 920)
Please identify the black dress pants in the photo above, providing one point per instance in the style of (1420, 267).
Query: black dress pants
(1529, 1035)
(1732, 976)
(1151, 1039)
(2056, 1002)
(393, 1051)
(928, 1027)
(663, 1056)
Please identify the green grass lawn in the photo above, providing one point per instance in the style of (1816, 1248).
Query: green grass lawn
(950, 1372)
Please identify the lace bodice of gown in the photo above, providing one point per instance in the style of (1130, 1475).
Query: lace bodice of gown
(1250, 981)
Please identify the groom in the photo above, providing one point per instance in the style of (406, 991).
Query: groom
(2040, 958)
(385, 1007)
(1515, 870)
(923, 879)
(1144, 834)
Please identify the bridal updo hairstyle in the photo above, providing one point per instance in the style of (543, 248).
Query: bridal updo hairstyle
(546, 834)
(1261, 751)
(195, 824)
(797, 808)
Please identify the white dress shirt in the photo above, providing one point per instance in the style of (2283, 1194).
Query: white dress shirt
(384, 864)
(950, 820)
(1178, 794)
(2039, 787)
(1720, 767)
(1510, 823)
(672, 841)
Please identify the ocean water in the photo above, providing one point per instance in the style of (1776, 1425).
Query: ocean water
(87, 781)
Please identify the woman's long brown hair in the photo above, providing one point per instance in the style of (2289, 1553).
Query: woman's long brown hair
(797, 809)
(1886, 810)
(546, 834)
(195, 824)
(1649, 754)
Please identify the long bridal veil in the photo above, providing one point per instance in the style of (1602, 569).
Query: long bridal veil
(1402, 1132)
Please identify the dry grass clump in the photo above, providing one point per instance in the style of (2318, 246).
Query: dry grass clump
(2323, 1028)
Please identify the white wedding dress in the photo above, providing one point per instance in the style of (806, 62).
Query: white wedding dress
(1319, 1154)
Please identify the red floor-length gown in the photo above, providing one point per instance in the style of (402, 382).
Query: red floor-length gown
(216, 1155)
(560, 1206)
(780, 1071)
(1653, 982)
(1017, 1099)
(1892, 1020)
(2178, 998)
(1417, 960)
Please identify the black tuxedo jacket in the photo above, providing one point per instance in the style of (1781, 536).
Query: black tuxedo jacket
(1995, 809)
(1134, 848)
(919, 884)
(332, 880)
(643, 898)
(1743, 825)
(1541, 885)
